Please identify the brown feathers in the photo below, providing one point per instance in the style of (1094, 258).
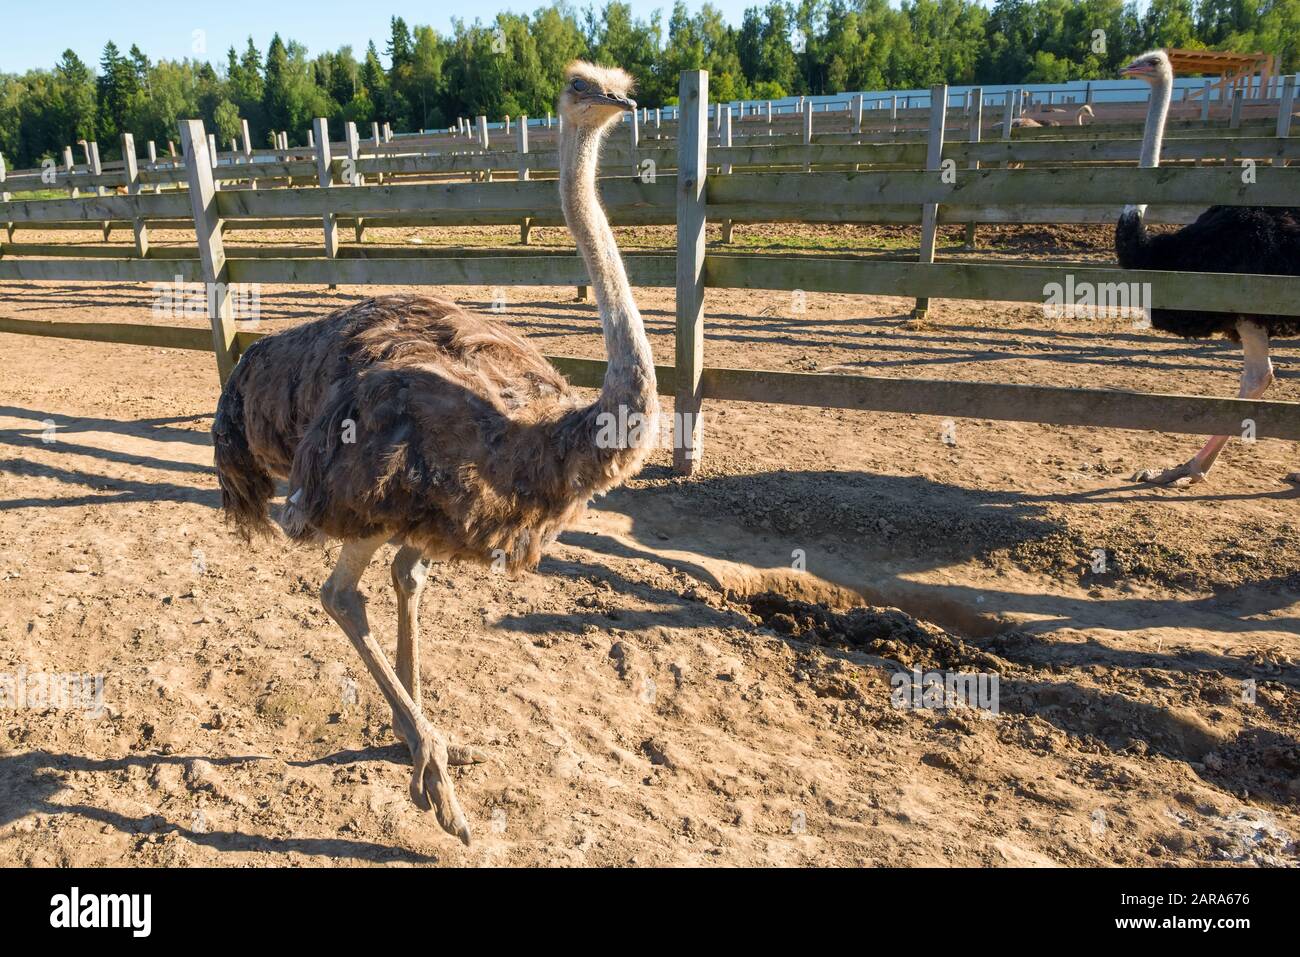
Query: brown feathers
(411, 417)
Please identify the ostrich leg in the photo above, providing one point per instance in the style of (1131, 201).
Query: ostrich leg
(431, 786)
(1256, 377)
(410, 571)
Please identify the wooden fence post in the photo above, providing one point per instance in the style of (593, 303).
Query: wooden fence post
(724, 141)
(692, 167)
(855, 112)
(69, 165)
(151, 150)
(1205, 101)
(133, 188)
(521, 144)
(246, 147)
(212, 151)
(976, 131)
(807, 129)
(933, 163)
(4, 198)
(1285, 105)
(92, 157)
(325, 177)
(212, 252)
(1234, 120)
(353, 140)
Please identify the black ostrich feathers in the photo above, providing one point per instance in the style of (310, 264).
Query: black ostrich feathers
(1260, 240)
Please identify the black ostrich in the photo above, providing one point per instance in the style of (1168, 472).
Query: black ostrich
(1239, 239)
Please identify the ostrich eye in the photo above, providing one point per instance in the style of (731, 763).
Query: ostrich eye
(580, 86)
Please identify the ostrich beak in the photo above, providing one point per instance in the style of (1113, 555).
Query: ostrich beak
(1137, 70)
(612, 99)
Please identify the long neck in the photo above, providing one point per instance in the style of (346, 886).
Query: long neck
(630, 375)
(1153, 132)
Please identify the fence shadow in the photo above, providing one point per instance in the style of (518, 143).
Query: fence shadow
(34, 787)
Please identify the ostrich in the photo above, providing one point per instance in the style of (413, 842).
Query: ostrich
(1238, 239)
(1026, 122)
(406, 419)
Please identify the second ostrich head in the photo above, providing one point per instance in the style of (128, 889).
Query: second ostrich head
(1152, 66)
(594, 96)
(1155, 68)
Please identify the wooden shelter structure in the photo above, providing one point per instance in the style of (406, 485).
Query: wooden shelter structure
(1236, 71)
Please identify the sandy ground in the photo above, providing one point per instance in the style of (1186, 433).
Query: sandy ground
(671, 688)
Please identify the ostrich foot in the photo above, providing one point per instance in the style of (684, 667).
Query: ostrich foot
(431, 787)
(1189, 473)
(458, 755)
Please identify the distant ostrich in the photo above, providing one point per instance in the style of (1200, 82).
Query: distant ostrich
(1029, 123)
(1236, 239)
(406, 419)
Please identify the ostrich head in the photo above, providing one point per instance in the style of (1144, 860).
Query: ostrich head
(594, 96)
(1153, 67)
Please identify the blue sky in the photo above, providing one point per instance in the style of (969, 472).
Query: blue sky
(35, 34)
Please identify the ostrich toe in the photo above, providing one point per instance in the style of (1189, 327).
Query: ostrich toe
(431, 787)
(1189, 473)
(458, 755)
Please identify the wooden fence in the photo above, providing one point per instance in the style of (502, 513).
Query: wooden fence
(690, 198)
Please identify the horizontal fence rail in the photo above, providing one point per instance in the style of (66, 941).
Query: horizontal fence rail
(1049, 405)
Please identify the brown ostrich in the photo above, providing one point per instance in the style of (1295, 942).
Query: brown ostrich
(406, 419)
(1029, 123)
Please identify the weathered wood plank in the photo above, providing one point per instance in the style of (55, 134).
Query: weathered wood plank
(527, 198)
(1210, 186)
(99, 270)
(131, 334)
(96, 209)
(896, 214)
(212, 255)
(544, 270)
(1214, 292)
(692, 160)
(933, 161)
(1096, 408)
(132, 173)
